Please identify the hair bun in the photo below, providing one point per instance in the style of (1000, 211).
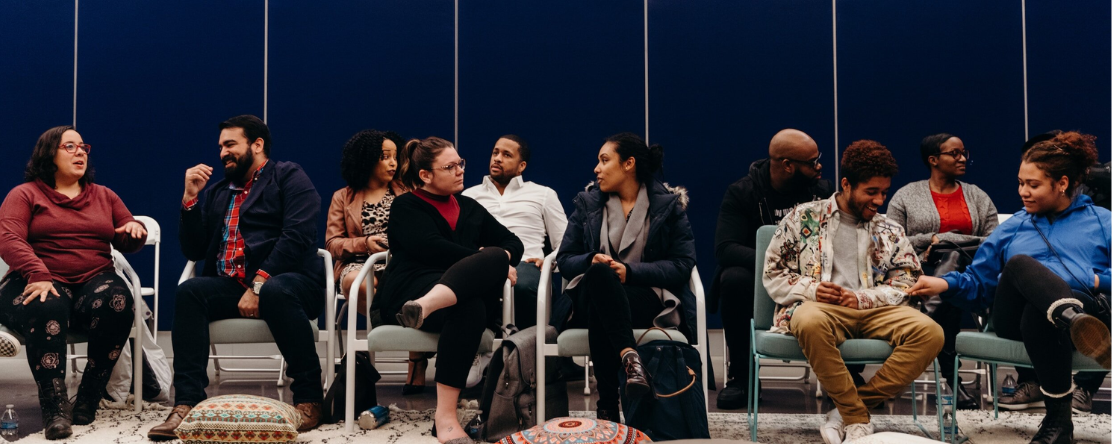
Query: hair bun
(1080, 147)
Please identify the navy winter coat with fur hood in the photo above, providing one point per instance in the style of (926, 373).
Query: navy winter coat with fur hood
(669, 253)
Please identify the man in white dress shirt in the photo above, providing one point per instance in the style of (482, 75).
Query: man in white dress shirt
(530, 211)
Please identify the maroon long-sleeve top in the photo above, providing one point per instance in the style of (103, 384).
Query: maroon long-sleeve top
(46, 236)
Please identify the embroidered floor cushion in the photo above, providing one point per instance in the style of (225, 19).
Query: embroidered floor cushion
(240, 418)
(577, 431)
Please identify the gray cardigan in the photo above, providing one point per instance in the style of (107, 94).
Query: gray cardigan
(913, 207)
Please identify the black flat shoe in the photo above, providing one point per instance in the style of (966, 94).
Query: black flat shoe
(410, 315)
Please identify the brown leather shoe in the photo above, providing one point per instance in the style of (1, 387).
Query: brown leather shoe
(165, 431)
(637, 378)
(310, 415)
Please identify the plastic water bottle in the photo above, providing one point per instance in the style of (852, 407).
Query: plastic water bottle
(1008, 387)
(9, 421)
(475, 427)
(947, 406)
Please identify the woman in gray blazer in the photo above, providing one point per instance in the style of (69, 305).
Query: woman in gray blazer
(943, 208)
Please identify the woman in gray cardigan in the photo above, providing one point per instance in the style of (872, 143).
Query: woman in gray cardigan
(925, 207)
(943, 208)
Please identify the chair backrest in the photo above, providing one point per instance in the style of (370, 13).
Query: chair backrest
(154, 231)
(763, 305)
(1002, 217)
(3, 269)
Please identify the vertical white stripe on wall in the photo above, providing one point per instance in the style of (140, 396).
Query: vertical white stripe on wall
(646, 35)
(834, 14)
(1023, 14)
(266, 56)
(74, 122)
(455, 104)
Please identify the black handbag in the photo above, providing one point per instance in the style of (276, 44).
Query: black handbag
(676, 408)
(365, 396)
(946, 256)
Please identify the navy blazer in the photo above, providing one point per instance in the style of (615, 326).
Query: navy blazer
(669, 254)
(278, 222)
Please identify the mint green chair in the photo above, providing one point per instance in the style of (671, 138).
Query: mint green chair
(767, 345)
(985, 346)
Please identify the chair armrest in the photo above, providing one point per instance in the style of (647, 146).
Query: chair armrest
(189, 272)
(507, 303)
(544, 290)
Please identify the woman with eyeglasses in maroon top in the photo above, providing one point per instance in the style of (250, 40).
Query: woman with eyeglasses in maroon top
(57, 231)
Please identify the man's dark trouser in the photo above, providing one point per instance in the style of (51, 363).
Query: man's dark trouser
(287, 302)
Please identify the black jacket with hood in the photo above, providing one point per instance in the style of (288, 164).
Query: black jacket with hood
(748, 204)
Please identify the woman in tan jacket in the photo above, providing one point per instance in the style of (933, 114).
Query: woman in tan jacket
(358, 216)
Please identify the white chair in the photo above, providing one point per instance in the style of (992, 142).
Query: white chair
(1002, 217)
(387, 338)
(154, 237)
(137, 356)
(255, 331)
(573, 342)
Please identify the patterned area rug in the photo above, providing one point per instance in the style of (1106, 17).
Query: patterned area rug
(412, 427)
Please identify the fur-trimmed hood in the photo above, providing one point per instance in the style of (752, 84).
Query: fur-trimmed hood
(679, 191)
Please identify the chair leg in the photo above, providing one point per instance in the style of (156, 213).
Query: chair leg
(587, 377)
(282, 373)
(215, 360)
(995, 391)
(754, 382)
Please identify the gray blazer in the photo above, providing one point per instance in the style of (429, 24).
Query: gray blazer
(913, 207)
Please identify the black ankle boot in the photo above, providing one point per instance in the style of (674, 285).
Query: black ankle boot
(1089, 335)
(54, 402)
(1057, 426)
(962, 399)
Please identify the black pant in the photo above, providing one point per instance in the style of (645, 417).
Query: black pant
(613, 311)
(287, 302)
(736, 289)
(477, 282)
(1023, 297)
(102, 308)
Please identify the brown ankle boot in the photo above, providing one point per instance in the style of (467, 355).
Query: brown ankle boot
(165, 431)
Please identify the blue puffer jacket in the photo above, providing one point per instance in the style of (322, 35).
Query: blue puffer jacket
(1080, 235)
(669, 252)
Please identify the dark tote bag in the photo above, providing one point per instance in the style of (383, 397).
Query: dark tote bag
(676, 407)
(365, 396)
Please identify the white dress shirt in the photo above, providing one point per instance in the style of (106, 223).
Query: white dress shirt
(528, 210)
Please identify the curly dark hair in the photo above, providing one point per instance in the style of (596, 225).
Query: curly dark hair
(361, 155)
(866, 159)
(1068, 154)
(41, 165)
(649, 159)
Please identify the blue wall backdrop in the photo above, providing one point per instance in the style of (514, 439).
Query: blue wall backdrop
(154, 80)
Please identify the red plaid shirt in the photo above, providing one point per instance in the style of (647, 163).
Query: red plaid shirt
(231, 260)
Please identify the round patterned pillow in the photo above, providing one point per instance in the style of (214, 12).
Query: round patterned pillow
(577, 431)
(240, 418)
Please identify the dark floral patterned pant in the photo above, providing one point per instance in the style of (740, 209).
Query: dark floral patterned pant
(100, 308)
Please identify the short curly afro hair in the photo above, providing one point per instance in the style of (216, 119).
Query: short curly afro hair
(866, 159)
(361, 155)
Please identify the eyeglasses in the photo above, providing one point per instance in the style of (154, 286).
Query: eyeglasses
(451, 168)
(957, 153)
(813, 162)
(72, 147)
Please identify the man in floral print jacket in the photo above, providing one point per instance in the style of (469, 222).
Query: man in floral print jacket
(838, 270)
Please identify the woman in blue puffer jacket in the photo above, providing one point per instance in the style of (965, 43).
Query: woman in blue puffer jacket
(1043, 271)
(630, 249)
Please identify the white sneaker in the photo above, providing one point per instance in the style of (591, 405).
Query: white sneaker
(858, 431)
(9, 345)
(832, 431)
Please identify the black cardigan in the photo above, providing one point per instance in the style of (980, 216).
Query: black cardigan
(423, 246)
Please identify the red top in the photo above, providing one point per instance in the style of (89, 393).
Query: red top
(45, 235)
(953, 212)
(446, 205)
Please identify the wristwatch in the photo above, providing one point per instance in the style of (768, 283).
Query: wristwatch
(257, 287)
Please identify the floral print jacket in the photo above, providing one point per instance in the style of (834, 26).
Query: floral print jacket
(799, 257)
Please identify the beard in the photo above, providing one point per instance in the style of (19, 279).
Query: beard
(800, 180)
(238, 171)
(504, 177)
